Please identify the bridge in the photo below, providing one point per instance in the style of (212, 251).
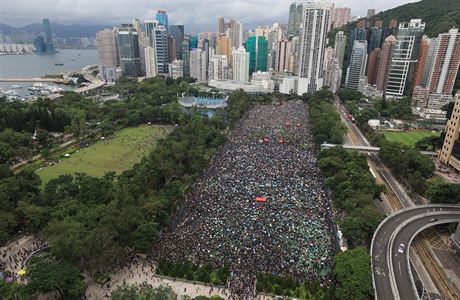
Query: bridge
(392, 276)
(368, 149)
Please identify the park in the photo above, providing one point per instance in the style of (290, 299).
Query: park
(117, 153)
(408, 138)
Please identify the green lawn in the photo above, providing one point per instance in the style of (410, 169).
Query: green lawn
(408, 138)
(117, 153)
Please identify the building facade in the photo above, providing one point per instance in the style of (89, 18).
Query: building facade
(240, 65)
(128, 51)
(341, 17)
(107, 51)
(198, 65)
(160, 44)
(151, 69)
(450, 152)
(177, 31)
(357, 67)
(315, 24)
(383, 70)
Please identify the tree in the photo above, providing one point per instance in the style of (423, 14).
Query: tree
(443, 192)
(133, 292)
(46, 274)
(352, 269)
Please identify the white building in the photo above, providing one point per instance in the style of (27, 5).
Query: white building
(240, 64)
(150, 62)
(288, 85)
(235, 32)
(357, 67)
(232, 85)
(198, 65)
(334, 75)
(218, 65)
(315, 25)
(263, 79)
(176, 69)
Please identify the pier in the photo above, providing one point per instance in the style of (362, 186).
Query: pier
(35, 79)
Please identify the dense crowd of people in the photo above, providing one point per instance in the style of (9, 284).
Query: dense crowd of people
(261, 207)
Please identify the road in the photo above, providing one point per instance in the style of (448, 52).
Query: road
(396, 198)
(401, 228)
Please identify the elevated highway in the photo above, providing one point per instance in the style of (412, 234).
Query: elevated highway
(391, 271)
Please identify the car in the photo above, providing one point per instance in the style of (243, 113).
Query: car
(432, 219)
(401, 248)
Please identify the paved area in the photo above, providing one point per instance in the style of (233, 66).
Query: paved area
(142, 273)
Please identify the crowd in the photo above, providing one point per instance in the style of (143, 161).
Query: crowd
(14, 256)
(288, 231)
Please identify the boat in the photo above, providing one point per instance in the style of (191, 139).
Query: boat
(72, 59)
(39, 85)
(11, 93)
(59, 64)
(79, 54)
(16, 86)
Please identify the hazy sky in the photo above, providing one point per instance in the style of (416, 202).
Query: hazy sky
(194, 14)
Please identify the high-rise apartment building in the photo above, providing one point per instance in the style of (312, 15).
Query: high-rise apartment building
(339, 47)
(176, 69)
(283, 56)
(107, 51)
(198, 65)
(177, 31)
(421, 63)
(315, 24)
(445, 63)
(404, 58)
(221, 25)
(224, 47)
(342, 16)
(450, 152)
(262, 54)
(218, 65)
(240, 64)
(151, 69)
(162, 17)
(295, 19)
(160, 43)
(357, 67)
(48, 37)
(383, 70)
(370, 12)
(235, 33)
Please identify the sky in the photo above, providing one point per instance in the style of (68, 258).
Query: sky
(196, 15)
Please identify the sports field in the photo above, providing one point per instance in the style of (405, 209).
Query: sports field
(408, 138)
(117, 153)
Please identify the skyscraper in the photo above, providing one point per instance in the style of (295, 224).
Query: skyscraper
(421, 63)
(262, 54)
(295, 19)
(221, 25)
(370, 12)
(373, 66)
(357, 67)
(107, 50)
(315, 24)
(162, 17)
(450, 152)
(375, 39)
(240, 64)
(383, 70)
(160, 43)
(198, 65)
(405, 56)
(339, 47)
(48, 37)
(149, 25)
(128, 50)
(235, 32)
(446, 62)
(151, 69)
(186, 56)
(40, 45)
(341, 16)
(171, 49)
(251, 48)
(177, 31)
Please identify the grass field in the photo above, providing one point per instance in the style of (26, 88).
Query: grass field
(117, 153)
(408, 138)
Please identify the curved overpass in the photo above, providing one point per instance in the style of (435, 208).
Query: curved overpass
(391, 273)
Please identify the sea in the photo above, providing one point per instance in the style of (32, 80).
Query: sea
(33, 65)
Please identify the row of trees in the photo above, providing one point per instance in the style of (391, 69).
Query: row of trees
(287, 286)
(325, 122)
(195, 273)
(133, 292)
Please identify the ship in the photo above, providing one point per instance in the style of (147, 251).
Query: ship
(72, 59)
(59, 64)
